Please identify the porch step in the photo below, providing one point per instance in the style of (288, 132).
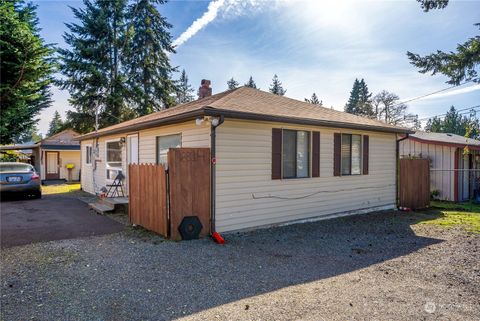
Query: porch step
(101, 207)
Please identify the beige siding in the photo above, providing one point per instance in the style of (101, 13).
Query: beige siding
(70, 157)
(93, 177)
(442, 160)
(244, 174)
(192, 136)
(65, 157)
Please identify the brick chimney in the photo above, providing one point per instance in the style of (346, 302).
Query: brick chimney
(204, 90)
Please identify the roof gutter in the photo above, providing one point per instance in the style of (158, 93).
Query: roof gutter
(209, 111)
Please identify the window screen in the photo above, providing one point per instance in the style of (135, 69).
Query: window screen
(164, 143)
(114, 159)
(351, 154)
(88, 154)
(295, 154)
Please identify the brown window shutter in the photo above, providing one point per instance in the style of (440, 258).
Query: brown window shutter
(276, 153)
(366, 144)
(337, 146)
(315, 154)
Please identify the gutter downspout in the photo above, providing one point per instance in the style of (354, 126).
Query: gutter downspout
(397, 167)
(213, 172)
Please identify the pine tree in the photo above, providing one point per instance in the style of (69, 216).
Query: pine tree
(26, 69)
(455, 123)
(364, 105)
(56, 124)
(251, 83)
(184, 89)
(92, 68)
(276, 87)
(146, 57)
(360, 102)
(458, 66)
(314, 100)
(232, 83)
(351, 106)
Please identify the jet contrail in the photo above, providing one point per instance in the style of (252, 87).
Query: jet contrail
(200, 23)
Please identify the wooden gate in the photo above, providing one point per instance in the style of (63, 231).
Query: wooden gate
(414, 185)
(186, 185)
(189, 182)
(147, 190)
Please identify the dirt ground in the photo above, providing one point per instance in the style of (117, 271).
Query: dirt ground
(381, 266)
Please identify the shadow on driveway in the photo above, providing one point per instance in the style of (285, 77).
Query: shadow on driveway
(50, 218)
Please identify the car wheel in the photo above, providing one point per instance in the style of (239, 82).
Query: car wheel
(37, 194)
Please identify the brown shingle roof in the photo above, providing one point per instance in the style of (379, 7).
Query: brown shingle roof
(249, 103)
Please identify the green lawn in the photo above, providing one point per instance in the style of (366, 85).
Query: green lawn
(448, 214)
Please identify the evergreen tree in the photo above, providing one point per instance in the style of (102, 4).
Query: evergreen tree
(462, 65)
(232, 83)
(92, 68)
(251, 83)
(56, 124)
(360, 102)
(351, 106)
(314, 100)
(184, 89)
(364, 105)
(276, 87)
(146, 57)
(455, 123)
(26, 67)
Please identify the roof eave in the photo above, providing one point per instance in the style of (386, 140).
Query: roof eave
(145, 125)
(209, 111)
(450, 144)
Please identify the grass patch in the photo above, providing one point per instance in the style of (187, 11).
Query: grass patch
(451, 206)
(60, 189)
(448, 214)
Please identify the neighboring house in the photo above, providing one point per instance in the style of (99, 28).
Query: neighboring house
(277, 159)
(51, 155)
(454, 174)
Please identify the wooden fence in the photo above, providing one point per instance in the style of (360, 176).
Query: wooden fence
(189, 184)
(414, 185)
(159, 200)
(148, 197)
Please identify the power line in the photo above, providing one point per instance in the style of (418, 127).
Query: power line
(463, 111)
(429, 94)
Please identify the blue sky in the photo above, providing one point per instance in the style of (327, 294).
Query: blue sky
(313, 46)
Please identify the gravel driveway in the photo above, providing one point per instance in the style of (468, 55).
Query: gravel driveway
(373, 267)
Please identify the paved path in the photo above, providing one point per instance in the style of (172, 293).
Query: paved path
(50, 218)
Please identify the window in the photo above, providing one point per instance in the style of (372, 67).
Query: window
(88, 154)
(114, 159)
(295, 154)
(164, 143)
(351, 154)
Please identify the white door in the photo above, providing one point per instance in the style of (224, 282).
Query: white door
(132, 149)
(52, 165)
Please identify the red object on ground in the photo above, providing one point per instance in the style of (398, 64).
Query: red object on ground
(218, 238)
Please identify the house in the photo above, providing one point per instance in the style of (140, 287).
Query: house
(455, 171)
(276, 159)
(51, 156)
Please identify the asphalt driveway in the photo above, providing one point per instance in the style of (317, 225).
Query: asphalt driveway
(50, 218)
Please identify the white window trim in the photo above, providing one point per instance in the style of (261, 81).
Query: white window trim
(91, 155)
(108, 180)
